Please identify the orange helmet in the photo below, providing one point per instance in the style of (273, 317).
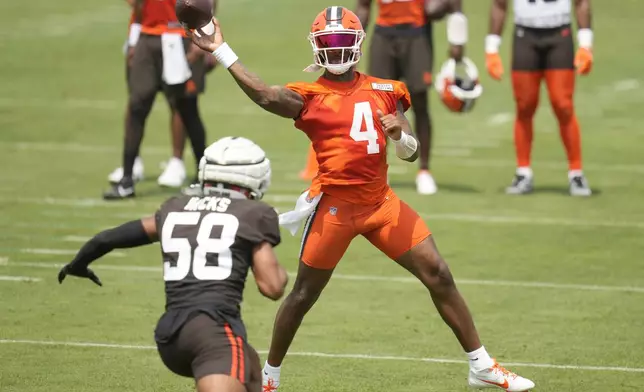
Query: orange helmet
(336, 37)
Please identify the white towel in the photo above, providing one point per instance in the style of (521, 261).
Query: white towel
(175, 65)
(303, 208)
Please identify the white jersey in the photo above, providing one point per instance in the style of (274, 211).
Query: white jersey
(542, 13)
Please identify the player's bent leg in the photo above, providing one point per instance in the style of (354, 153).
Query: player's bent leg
(404, 237)
(327, 234)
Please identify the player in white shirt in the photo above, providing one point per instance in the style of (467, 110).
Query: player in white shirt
(543, 48)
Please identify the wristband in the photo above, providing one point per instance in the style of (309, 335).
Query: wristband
(585, 38)
(406, 146)
(225, 55)
(135, 32)
(492, 43)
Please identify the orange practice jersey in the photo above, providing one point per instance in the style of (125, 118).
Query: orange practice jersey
(398, 12)
(340, 120)
(159, 17)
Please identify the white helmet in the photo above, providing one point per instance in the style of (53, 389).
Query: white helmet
(458, 93)
(236, 161)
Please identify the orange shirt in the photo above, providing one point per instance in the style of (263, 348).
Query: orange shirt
(340, 120)
(398, 12)
(159, 17)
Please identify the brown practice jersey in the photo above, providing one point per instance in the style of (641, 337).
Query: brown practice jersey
(207, 248)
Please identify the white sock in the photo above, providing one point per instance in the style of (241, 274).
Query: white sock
(574, 173)
(525, 171)
(273, 372)
(480, 359)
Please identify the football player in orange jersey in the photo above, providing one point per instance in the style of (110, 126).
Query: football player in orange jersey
(402, 49)
(159, 58)
(543, 49)
(348, 116)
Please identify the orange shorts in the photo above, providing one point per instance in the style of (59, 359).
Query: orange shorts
(392, 226)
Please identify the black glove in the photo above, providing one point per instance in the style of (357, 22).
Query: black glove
(80, 271)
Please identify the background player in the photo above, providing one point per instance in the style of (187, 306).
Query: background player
(158, 61)
(402, 49)
(174, 173)
(201, 334)
(543, 49)
(348, 116)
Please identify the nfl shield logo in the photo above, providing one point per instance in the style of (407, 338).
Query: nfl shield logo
(333, 211)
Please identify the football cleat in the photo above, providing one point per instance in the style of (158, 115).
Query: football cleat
(174, 174)
(137, 172)
(579, 186)
(269, 384)
(500, 378)
(425, 184)
(521, 185)
(123, 190)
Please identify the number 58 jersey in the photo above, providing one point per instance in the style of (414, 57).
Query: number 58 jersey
(340, 119)
(207, 247)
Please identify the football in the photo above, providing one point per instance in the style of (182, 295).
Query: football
(194, 14)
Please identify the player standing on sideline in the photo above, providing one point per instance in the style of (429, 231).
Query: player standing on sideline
(543, 49)
(174, 173)
(348, 116)
(402, 49)
(157, 60)
(201, 333)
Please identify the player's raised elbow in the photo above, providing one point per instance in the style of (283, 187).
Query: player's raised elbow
(270, 276)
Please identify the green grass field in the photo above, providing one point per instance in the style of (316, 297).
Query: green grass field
(556, 284)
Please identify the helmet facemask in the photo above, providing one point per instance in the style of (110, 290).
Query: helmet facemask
(336, 49)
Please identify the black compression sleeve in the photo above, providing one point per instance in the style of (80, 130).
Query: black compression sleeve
(128, 235)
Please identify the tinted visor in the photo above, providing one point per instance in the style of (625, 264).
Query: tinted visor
(336, 40)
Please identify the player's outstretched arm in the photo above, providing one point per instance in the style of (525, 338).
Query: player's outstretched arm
(363, 11)
(270, 276)
(275, 99)
(128, 235)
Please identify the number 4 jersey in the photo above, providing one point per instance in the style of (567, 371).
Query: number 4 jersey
(340, 120)
(207, 247)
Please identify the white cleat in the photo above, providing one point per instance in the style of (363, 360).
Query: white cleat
(579, 186)
(500, 378)
(174, 174)
(137, 172)
(269, 384)
(425, 184)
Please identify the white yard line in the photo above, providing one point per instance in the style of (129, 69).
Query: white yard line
(9, 278)
(333, 355)
(62, 252)
(372, 278)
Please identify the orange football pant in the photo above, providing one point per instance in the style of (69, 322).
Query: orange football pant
(561, 87)
(391, 226)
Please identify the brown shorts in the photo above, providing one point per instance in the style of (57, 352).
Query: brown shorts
(145, 75)
(203, 347)
(402, 54)
(542, 49)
